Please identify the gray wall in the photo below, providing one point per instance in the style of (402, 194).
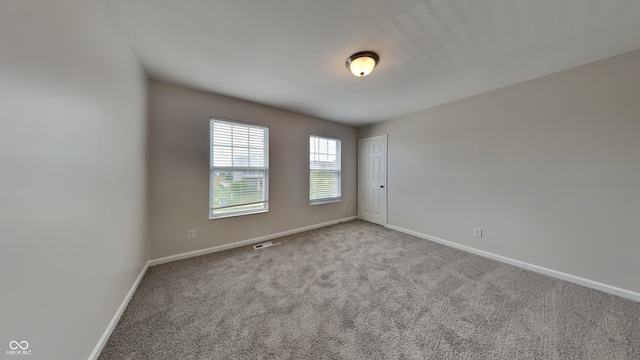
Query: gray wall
(549, 168)
(179, 170)
(72, 183)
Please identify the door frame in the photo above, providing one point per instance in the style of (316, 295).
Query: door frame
(386, 175)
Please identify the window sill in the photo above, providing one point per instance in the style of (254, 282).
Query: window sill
(327, 201)
(223, 216)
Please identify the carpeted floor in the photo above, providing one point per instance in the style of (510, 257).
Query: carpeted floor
(360, 291)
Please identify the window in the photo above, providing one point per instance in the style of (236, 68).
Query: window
(239, 162)
(324, 170)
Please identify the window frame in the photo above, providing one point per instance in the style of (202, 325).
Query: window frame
(213, 169)
(326, 200)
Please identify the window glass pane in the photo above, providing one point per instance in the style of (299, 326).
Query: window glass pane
(256, 157)
(324, 169)
(324, 184)
(239, 173)
(235, 188)
(240, 136)
(222, 134)
(240, 156)
(221, 155)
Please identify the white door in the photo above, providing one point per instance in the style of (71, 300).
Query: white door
(372, 179)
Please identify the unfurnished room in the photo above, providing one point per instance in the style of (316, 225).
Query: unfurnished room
(356, 179)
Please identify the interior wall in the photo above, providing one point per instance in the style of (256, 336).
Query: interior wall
(179, 170)
(73, 183)
(548, 168)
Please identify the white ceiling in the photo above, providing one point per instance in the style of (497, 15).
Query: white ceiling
(291, 53)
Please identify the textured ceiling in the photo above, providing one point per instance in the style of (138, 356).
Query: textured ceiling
(291, 53)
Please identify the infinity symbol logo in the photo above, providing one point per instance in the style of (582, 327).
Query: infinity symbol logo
(23, 345)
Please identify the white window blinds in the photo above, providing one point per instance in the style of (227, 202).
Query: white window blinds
(324, 170)
(239, 162)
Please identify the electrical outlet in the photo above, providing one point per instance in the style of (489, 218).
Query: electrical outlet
(477, 232)
(191, 234)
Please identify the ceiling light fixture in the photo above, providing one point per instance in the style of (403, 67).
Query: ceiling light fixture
(362, 63)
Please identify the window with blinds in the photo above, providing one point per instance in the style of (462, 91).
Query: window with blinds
(324, 170)
(239, 162)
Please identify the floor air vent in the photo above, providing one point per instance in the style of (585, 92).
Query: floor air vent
(263, 245)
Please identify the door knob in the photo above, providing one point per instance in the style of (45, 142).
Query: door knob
(381, 186)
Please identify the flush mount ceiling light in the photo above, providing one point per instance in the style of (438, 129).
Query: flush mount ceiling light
(362, 63)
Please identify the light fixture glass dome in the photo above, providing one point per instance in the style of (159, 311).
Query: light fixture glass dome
(362, 63)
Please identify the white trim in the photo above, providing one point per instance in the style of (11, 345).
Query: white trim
(114, 321)
(374, 137)
(628, 294)
(236, 244)
(324, 201)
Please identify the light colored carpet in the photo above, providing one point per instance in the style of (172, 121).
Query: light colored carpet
(360, 291)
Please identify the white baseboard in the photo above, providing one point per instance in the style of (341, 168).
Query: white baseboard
(628, 294)
(114, 321)
(244, 242)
